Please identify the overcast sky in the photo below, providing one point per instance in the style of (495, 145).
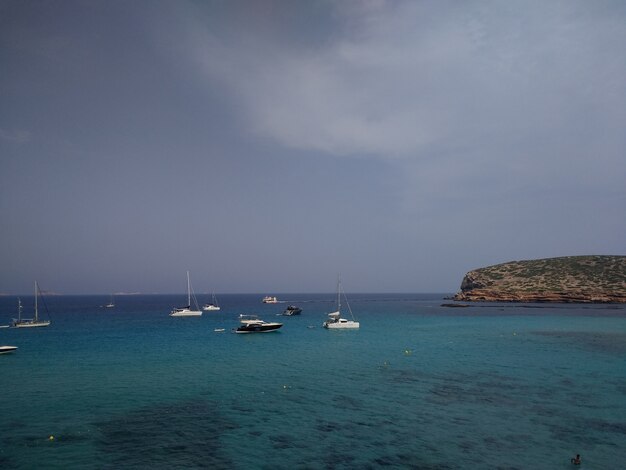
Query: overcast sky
(267, 146)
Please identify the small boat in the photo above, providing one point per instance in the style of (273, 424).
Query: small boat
(253, 324)
(187, 311)
(219, 330)
(335, 321)
(20, 322)
(292, 310)
(212, 305)
(268, 299)
(7, 349)
(111, 304)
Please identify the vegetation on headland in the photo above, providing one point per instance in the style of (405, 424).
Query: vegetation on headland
(587, 279)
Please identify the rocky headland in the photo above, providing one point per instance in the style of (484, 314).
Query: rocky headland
(579, 279)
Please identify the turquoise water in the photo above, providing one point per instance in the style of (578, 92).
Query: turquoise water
(418, 386)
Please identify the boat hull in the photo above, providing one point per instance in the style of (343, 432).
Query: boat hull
(186, 313)
(210, 308)
(30, 324)
(265, 328)
(7, 349)
(341, 325)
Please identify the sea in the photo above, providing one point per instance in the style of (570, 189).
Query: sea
(419, 385)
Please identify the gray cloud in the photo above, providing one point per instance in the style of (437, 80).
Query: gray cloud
(401, 143)
(404, 79)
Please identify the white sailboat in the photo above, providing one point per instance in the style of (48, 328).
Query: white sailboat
(335, 321)
(20, 322)
(213, 305)
(111, 304)
(187, 311)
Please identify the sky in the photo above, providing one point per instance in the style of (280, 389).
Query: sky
(270, 146)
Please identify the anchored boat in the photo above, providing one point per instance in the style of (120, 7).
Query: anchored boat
(253, 324)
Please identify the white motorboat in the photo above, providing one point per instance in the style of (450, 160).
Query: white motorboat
(187, 311)
(20, 322)
(268, 299)
(7, 349)
(253, 324)
(335, 320)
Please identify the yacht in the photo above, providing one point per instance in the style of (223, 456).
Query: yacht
(292, 310)
(212, 306)
(7, 349)
(20, 322)
(335, 320)
(187, 310)
(270, 300)
(253, 324)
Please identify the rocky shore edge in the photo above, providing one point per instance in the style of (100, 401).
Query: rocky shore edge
(573, 279)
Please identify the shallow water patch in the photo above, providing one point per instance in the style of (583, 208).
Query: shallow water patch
(603, 342)
(181, 434)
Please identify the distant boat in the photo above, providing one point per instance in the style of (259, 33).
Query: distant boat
(111, 304)
(187, 311)
(292, 310)
(213, 305)
(20, 322)
(270, 300)
(253, 324)
(335, 321)
(7, 349)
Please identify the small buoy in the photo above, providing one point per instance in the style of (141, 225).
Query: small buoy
(51, 438)
(407, 351)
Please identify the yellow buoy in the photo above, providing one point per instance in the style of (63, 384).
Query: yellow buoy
(51, 438)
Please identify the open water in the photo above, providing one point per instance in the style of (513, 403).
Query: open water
(418, 386)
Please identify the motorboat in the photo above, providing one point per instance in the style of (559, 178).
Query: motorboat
(253, 324)
(292, 310)
(335, 320)
(7, 349)
(268, 299)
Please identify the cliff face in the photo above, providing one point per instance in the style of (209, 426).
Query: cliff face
(589, 279)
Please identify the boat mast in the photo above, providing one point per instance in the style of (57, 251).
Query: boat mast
(338, 294)
(188, 291)
(36, 289)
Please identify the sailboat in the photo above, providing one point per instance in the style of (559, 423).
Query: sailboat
(111, 304)
(20, 322)
(187, 311)
(335, 321)
(212, 305)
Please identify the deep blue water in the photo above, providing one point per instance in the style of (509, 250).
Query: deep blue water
(418, 386)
